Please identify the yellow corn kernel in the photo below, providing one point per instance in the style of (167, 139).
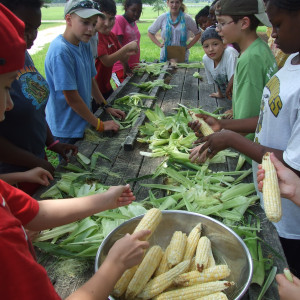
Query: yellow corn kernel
(150, 221)
(211, 260)
(192, 242)
(204, 128)
(207, 275)
(195, 291)
(215, 296)
(122, 284)
(163, 266)
(193, 265)
(176, 248)
(163, 281)
(144, 272)
(271, 192)
(202, 253)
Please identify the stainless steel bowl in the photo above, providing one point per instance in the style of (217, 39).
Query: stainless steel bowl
(227, 246)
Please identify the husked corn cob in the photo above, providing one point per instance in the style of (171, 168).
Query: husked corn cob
(122, 284)
(192, 242)
(163, 266)
(195, 291)
(211, 260)
(271, 192)
(204, 128)
(207, 275)
(215, 296)
(163, 281)
(193, 265)
(150, 221)
(144, 272)
(202, 253)
(176, 248)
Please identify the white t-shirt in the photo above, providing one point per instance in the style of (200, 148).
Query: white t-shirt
(279, 127)
(222, 73)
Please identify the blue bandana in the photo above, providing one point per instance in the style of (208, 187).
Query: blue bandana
(183, 34)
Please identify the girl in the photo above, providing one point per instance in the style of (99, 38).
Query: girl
(277, 129)
(202, 19)
(174, 26)
(126, 30)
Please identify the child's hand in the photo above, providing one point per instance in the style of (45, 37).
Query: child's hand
(111, 125)
(64, 149)
(288, 290)
(211, 121)
(129, 250)
(38, 175)
(116, 113)
(132, 48)
(119, 196)
(289, 182)
(198, 157)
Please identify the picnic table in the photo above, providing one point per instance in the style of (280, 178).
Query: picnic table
(124, 152)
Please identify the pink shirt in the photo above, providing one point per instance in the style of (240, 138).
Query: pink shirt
(130, 33)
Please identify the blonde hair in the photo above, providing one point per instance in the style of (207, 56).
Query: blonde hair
(182, 7)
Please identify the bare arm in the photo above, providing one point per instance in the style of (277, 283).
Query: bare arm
(75, 101)
(63, 211)
(155, 40)
(11, 154)
(194, 41)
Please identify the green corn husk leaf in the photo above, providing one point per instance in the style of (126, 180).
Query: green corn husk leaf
(83, 158)
(268, 282)
(53, 192)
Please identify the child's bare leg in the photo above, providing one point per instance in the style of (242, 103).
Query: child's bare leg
(218, 94)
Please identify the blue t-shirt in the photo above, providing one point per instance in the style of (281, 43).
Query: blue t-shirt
(68, 67)
(25, 125)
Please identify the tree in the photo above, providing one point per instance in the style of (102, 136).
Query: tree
(159, 6)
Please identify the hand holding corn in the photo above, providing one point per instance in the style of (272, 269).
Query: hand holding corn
(271, 192)
(288, 290)
(289, 182)
(208, 124)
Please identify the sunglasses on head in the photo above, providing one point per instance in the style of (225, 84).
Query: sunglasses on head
(85, 4)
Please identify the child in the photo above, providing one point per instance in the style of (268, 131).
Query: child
(25, 132)
(126, 30)
(202, 19)
(277, 127)
(109, 48)
(70, 72)
(219, 61)
(237, 22)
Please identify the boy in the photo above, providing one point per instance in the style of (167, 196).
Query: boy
(70, 72)
(219, 61)
(237, 23)
(109, 49)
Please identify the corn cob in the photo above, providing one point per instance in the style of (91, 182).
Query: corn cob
(215, 296)
(208, 275)
(211, 260)
(192, 242)
(150, 221)
(122, 284)
(195, 291)
(193, 265)
(176, 248)
(204, 128)
(144, 272)
(163, 266)
(202, 253)
(163, 281)
(271, 192)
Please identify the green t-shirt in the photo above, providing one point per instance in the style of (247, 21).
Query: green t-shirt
(254, 69)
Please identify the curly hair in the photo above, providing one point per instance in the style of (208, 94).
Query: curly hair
(13, 5)
(290, 5)
(128, 3)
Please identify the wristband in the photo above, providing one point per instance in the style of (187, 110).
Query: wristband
(98, 124)
(52, 145)
(106, 106)
(101, 126)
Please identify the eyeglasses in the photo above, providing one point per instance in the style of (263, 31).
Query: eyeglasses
(85, 4)
(221, 25)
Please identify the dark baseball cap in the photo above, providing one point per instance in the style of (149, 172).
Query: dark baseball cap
(243, 8)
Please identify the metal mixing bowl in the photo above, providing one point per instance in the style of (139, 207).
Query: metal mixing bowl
(227, 246)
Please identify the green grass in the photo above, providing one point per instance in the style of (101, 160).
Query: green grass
(46, 25)
(39, 59)
(57, 13)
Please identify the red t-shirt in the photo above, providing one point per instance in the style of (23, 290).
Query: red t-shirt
(107, 45)
(21, 277)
